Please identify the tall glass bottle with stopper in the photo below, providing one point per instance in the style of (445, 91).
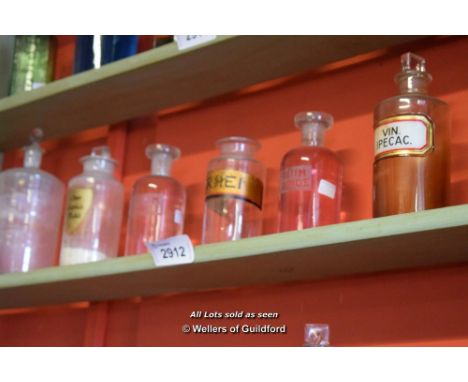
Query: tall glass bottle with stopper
(94, 211)
(412, 140)
(157, 205)
(234, 192)
(311, 177)
(31, 204)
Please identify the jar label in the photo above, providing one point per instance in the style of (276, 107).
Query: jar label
(234, 183)
(79, 203)
(189, 41)
(296, 178)
(404, 135)
(327, 188)
(174, 250)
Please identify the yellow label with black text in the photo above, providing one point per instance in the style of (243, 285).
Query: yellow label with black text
(234, 183)
(78, 205)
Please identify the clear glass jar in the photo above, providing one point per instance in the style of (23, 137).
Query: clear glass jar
(157, 204)
(316, 335)
(311, 177)
(31, 203)
(234, 192)
(412, 143)
(91, 230)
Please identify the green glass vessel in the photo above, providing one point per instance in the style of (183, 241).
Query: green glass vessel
(33, 63)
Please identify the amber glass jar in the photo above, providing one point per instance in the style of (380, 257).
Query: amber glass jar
(412, 141)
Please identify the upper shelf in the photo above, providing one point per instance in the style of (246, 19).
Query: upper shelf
(166, 77)
(417, 240)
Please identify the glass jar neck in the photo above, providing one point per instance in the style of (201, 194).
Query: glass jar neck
(33, 156)
(416, 83)
(103, 165)
(33, 152)
(161, 164)
(99, 161)
(413, 77)
(161, 157)
(313, 125)
(239, 147)
(313, 134)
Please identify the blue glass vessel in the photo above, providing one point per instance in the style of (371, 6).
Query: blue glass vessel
(116, 47)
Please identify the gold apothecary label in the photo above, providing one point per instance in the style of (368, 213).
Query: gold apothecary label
(404, 135)
(234, 183)
(79, 203)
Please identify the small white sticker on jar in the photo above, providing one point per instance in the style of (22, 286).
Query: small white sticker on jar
(326, 188)
(178, 217)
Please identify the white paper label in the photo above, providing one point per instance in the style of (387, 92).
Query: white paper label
(172, 251)
(189, 41)
(403, 135)
(326, 188)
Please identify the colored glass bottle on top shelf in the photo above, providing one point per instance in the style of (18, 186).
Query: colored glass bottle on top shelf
(311, 177)
(31, 203)
(93, 214)
(33, 63)
(412, 140)
(157, 205)
(87, 53)
(234, 192)
(117, 47)
(93, 51)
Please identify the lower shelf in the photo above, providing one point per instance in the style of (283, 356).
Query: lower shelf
(424, 239)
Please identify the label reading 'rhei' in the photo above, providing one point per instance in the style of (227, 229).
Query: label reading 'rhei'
(79, 203)
(404, 135)
(234, 183)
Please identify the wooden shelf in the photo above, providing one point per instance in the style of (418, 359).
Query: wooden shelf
(425, 239)
(165, 77)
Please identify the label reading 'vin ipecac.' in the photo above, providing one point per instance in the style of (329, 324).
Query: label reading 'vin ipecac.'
(404, 135)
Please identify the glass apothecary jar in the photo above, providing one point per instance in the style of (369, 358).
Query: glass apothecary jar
(31, 204)
(157, 205)
(234, 192)
(316, 335)
(93, 214)
(311, 177)
(412, 144)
